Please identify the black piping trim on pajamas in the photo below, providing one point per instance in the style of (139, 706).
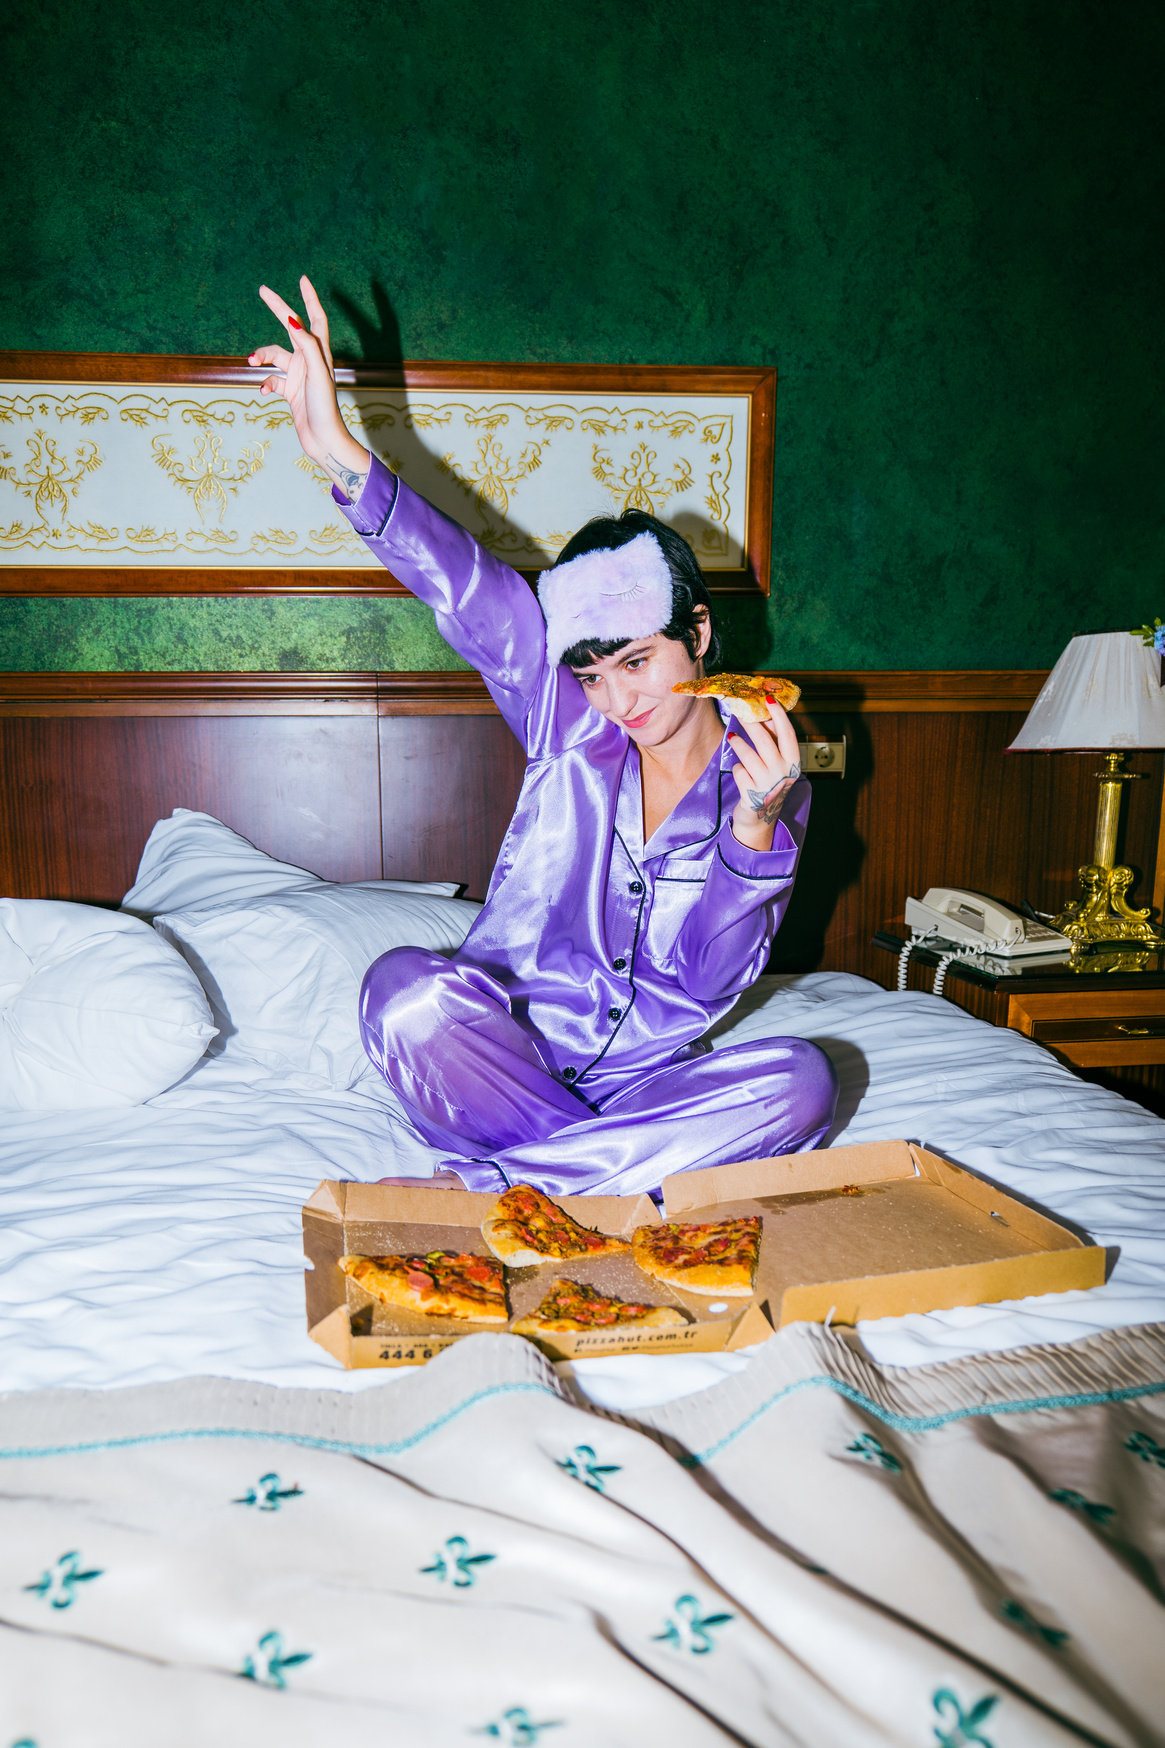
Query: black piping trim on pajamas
(630, 964)
(740, 876)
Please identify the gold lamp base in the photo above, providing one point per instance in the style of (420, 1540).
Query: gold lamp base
(1102, 912)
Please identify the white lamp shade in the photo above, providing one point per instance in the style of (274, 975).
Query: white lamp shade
(1103, 694)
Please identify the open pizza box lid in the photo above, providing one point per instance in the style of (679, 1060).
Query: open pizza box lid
(847, 1233)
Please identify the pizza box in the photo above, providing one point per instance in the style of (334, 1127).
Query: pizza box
(379, 1220)
(848, 1233)
(882, 1229)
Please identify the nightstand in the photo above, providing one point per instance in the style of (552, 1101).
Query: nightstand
(1103, 1015)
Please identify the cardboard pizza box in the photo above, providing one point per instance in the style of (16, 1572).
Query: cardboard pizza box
(380, 1220)
(847, 1233)
(852, 1233)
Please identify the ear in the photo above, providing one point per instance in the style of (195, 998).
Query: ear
(705, 637)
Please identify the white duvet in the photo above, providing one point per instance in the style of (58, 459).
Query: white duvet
(163, 1241)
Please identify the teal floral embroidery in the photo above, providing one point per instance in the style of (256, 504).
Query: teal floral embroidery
(268, 1495)
(1146, 1448)
(58, 1584)
(963, 1728)
(582, 1466)
(693, 1632)
(1077, 1502)
(456, 1563)
(869, 1450)
(24, 1742)
(517, 1729)
(268, 1662)
(1019, 1616)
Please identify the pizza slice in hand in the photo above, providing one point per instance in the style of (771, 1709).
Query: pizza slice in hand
(524, 1227)
(718, 1257)
(746, 695)
(441, 1284)
(572, 1305)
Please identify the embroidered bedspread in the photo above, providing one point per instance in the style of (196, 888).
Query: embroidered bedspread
(814, 1552)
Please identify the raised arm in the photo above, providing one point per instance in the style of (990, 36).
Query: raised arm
(484, 609)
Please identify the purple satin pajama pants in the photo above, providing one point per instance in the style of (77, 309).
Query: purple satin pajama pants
(473, 1083)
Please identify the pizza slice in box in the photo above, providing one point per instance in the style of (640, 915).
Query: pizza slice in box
(524, 1227)
(718, 1256)
(440, 1284)
(572, 1305)
(746, 695)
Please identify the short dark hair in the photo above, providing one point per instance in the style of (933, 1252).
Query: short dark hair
(688, 588)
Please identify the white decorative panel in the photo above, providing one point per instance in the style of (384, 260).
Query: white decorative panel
(172, 475)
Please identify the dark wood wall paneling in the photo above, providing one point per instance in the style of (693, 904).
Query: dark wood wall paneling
(932, 799)
(415, 776)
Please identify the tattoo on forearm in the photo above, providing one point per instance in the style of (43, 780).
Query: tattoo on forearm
(767, 808)
(349, 481)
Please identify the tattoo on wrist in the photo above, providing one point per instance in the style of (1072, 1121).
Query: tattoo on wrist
(767, 808)
(349, 480)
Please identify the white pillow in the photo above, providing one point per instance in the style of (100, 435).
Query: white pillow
(194, 859)
(95, 1010)
(283, 973)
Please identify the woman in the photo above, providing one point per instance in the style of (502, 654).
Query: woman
(648, 864)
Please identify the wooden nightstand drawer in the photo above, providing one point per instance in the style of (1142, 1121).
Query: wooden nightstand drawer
(1094, 1028)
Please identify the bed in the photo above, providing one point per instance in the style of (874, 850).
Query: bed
(936, 1528)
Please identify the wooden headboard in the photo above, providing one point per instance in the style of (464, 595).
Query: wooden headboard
(336, 772)
(415, 776)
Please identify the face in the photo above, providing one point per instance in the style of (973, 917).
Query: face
(634, 686)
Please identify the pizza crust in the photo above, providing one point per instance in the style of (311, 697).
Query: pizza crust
(513, 1248)
(746, 695)
(386, 1279)
(729, 1280)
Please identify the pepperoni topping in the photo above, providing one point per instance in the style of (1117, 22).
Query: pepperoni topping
(575, 1302)
(725, 1243)
(536, 1223)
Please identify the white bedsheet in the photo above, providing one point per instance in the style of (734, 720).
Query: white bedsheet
(164, 1241)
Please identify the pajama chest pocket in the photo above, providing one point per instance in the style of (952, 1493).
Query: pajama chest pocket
(674, 898)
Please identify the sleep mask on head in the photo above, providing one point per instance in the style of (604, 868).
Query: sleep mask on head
(615, 593)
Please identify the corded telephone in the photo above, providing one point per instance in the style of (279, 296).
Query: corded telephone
(974, 920)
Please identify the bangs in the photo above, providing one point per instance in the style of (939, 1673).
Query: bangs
(581, 655)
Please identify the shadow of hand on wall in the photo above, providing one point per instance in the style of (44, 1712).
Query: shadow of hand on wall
(380, 337)
(473, 463)
(834, 852)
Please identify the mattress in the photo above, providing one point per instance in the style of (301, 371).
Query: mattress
(164, 1241)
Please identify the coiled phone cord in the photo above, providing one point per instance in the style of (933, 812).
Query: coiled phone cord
(945, 959)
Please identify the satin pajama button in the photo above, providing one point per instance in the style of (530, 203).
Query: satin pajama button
(620, 964)
(636, 886)
(614, 1013)
(569, 1073)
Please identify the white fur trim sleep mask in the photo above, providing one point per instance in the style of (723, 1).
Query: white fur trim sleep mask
(600, 596)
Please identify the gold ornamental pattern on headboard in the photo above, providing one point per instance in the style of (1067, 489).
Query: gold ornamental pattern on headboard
(152, 474)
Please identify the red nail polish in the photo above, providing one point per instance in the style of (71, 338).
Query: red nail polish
(769, 699)
(293, 322)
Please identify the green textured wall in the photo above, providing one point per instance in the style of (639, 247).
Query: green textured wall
(940, 219)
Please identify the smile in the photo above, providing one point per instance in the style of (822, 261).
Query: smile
(637, 721)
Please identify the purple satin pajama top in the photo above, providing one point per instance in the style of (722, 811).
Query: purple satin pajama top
(617, 955)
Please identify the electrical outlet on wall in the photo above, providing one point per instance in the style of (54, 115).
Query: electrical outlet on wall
(823, 758)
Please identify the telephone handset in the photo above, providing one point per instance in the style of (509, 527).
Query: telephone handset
(975, 920)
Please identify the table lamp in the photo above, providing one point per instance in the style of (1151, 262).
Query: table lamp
(1103, 695)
